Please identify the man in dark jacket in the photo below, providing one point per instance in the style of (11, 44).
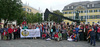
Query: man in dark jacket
(92, 38)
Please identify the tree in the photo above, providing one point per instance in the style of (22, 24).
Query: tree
(10, 10)
(55, 18)
(33, 18)
(20, 18)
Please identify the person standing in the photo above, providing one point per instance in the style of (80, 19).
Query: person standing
(18, 32)
(6, 29)
(10, 30)
(24, 22)
(77, 32)
(98, 33)
(81, 31)
(4, 35)
(92, 36)
(1, 31)
(54, 29)
(15, 32)
(41, 31)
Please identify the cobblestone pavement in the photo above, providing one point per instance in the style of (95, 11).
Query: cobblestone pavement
(43, 43)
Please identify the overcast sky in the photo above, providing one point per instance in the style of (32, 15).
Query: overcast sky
(50, 4)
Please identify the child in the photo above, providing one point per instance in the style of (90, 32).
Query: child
(74, 37)
(4, 35)
(56, 36)
(60, 36)
(43, 35)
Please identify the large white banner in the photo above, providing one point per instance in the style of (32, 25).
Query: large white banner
(30, 33)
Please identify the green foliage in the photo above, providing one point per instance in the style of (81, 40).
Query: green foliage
(20, 18)
(10, 10)
(55, 18)
(33, 18)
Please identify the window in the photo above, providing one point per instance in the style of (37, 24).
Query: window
(97, 16)
(72, 12)
(88, 5)
(27, 9)
(85, 11)
(81, 11)
(69, 12)
(84, 17)
(68, 7)
(90, 10)
(72, 7)
(93, 16)
(24, 9)
(65, 12)
(81, 17)
(92, 5)
(95, 10)
(90, 17)
(30, 10)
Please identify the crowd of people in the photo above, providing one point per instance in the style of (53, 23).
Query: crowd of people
(56, 31)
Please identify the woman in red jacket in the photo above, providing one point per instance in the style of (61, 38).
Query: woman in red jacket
(56, 36)
(10, 30)
(98, 33)
(4, 35)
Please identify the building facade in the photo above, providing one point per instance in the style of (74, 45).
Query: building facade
(88, 11)
(29, 9)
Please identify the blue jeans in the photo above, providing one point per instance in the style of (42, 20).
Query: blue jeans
(41, 35)
(77, 35)
(75, 39)
(92, 40)
(51, 34)
(98, 36)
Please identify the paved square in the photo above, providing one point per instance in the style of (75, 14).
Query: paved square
(43, 43)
